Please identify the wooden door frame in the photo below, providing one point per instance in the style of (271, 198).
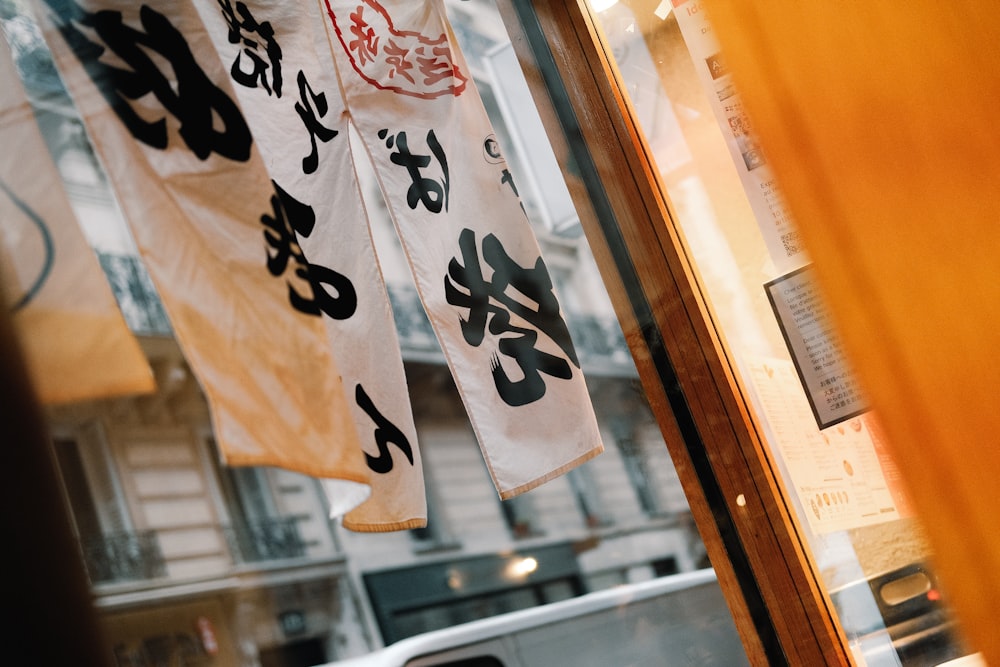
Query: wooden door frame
(749, 530)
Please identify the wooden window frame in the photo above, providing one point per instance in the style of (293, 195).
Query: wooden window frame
(749, 530)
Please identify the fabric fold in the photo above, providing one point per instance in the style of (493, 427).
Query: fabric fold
(474, 257)
(280, 69)
(216, 233)
(75, 340)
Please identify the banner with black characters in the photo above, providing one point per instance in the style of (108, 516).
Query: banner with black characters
(280, 69)
(218, 235)
(475, 259)
(74, 338)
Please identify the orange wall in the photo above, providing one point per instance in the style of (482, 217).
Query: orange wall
(880, 122)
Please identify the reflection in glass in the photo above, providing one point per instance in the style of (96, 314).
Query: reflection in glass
(867, 548)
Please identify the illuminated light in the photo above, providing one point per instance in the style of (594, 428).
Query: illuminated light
(741, 500)
(663, 11)
(602, 5)
(933, 595)
(455, 580)
(206, 632)
(522, 567)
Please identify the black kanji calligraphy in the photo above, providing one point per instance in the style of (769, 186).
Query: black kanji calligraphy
(386, 433)
(433, 194)
(257, 43)
(493, 155)
(291, 218)
(508, 179)
(199, 105)
(525, 293)
(309, 106)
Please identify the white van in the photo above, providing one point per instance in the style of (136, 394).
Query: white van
(676, 620)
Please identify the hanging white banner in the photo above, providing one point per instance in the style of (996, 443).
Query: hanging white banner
(292, 103)
(75, 340)
(476, 263)
(218, 236)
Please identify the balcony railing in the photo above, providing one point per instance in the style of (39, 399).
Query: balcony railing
(124, 556)
(415, 331)
(137, 298)
(598, 340)
(265, 539)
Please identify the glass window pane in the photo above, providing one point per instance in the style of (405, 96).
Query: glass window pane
(292, 585)
(867, 547)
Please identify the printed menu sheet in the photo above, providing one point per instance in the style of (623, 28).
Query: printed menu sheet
(842, 475)
(780, 235)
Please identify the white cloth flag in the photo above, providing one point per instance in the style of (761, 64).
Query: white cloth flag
(75, 340)
(293, 106)
(475, 260)
(217, 236)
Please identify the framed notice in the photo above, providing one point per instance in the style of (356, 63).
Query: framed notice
(830, 386)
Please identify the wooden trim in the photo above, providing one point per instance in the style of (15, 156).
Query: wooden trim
(779, 608)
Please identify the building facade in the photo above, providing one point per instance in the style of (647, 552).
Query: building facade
(195, 562)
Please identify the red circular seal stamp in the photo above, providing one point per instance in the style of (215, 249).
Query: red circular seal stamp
(407, 62)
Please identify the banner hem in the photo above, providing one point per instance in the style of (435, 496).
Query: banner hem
(549, 476)
(408, 524)
(110, 390)
(243, 460)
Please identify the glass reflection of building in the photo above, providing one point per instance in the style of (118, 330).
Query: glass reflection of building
(173, 540)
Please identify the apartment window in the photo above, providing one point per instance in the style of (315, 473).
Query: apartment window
(257, 530)
(112, 550)
(587, 496)
(639, 473)
(77, 487)
(521, 517)
(436, 535)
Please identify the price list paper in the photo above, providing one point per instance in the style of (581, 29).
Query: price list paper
(841, 475)
(830, 386)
